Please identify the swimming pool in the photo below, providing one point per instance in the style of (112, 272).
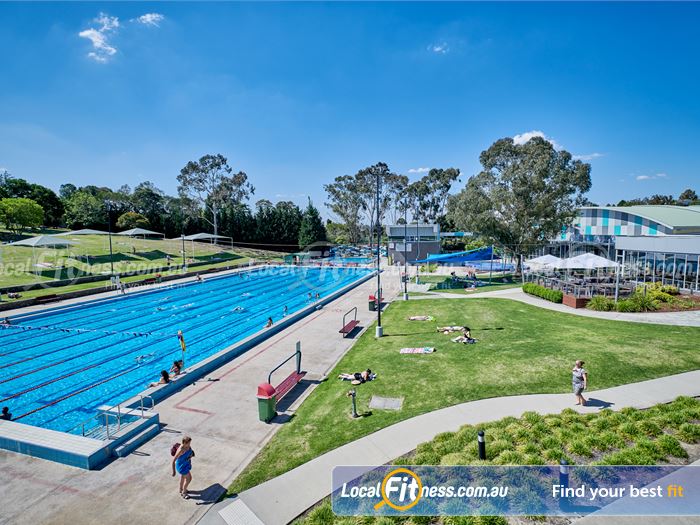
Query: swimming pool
(58, 367)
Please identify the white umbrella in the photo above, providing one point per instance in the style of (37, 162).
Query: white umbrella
(586, 261)
(544, 260)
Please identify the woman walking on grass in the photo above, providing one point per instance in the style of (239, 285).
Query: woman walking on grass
(182, 464)
(580, 382)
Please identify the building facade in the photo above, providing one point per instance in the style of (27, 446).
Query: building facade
(408, 243)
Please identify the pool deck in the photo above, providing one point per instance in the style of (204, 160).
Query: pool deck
(219, 412)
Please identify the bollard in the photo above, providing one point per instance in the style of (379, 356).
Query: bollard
(564, 482)
(482, 445)
(353, 394)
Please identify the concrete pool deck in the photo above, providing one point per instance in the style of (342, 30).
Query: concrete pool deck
(219, 412)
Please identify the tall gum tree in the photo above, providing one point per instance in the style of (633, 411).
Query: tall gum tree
(523, 196)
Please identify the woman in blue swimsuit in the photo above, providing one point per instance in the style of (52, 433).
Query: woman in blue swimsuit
(182, 464)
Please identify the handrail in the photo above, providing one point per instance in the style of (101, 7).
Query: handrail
(296, 354)
(119, 415)
(348, 313)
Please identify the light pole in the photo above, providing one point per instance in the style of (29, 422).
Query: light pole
(379, 331)
(405, 252)
(184, 263)
(109, 233)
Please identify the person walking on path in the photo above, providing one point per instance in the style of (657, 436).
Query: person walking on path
(580, 382)
(182, 464)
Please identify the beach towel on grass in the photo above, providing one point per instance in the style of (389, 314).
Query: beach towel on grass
(422, 350)
(421, 318)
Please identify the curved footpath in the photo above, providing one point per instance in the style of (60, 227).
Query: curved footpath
(686, 318)
(281, 499)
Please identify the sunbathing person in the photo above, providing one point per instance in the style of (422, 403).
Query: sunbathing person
(450, 329)
(465, 338)
(164, 379)
(358, 377)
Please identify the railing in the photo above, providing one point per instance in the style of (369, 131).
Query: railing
(586, 288)
(119, 416)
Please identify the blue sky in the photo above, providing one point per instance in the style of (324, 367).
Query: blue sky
(296, 94)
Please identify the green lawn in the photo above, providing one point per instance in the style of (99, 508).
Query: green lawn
(18, 264)
(521, 349)
(443, 283)
(659, 435)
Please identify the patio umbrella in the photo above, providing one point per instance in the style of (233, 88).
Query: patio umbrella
(544, 260)
(586, 261)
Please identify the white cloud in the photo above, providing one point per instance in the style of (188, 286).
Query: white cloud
(589, 156)
(419, 170)
(150, 19)
(441, 48)
(523, 138)
(651, 177)
(102, 49)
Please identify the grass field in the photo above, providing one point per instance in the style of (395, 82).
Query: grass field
(660, 435)
(443, 283)
(522, 349)
(20, 265)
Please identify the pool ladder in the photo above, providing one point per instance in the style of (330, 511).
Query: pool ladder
(104, 427)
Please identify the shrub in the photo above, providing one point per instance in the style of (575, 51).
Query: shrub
(689, 433)
(555, 296)
(650, 428)
(658, 295)
(643, 302)
(669, 289)
(627, 305)
(601, 303)
(670, 446)
(579, 447)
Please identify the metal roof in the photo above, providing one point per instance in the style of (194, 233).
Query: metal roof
(676, 217)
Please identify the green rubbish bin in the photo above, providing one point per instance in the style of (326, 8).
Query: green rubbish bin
(266, 402)
(372, 304)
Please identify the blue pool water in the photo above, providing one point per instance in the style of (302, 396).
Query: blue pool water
(346, 260)
(58, 367)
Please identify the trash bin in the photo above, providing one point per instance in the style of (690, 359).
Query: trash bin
(266, 402)
(372, 304)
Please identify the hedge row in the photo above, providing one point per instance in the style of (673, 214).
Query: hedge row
(555, 296)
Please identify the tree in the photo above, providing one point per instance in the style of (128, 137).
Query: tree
(148, 200)
(65, 191)
(337, 232)
(209, 184)
(131, 219)
(45, 197)
(84, 210)
(345, 201)
(18, 214)
(312, 229)
(390, 186)
(688, 195)
(523, 195)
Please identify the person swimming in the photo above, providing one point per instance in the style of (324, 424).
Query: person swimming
(142, 358)
(284, 310)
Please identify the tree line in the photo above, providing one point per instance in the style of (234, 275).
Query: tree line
(211, 198)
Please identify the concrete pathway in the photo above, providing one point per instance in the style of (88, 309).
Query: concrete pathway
(689, 318)
(280, 500)
(220, 414)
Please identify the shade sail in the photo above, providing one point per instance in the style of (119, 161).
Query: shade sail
(205, 237)
(43, 241)
(86, 231)
(135, 232)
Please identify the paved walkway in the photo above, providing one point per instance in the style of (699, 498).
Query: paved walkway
(279, 500)
(219, 413)
(690, 318)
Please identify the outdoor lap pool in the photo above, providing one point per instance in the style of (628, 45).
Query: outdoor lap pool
(58, 367)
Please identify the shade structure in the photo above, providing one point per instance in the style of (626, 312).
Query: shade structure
(586, 261)
(206, 237)
(139, 232)
(43, 241)
(86, 231)
(479, 254)
(544, 260)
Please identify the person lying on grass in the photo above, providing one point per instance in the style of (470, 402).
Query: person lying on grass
(465, 338)
(450, 329)
(358, 377)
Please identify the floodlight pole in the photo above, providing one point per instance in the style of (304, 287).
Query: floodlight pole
(379, 332)
(109, 233)
(405, 251)
(184, 262)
